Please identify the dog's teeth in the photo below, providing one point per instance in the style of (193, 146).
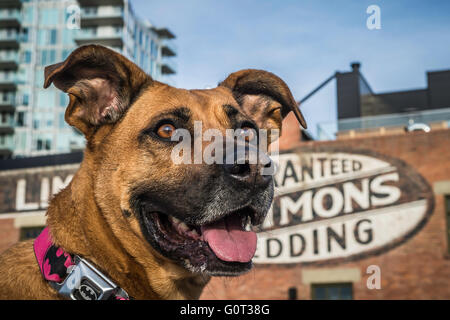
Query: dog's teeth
(248, 224)
(194, 233)
(174, 220)
(183, 226)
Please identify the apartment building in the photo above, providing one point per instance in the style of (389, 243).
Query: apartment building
(37, 33)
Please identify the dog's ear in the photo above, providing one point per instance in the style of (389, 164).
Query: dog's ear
(101, 85)
(263, 96)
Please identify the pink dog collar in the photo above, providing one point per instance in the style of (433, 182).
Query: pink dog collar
(72, 276)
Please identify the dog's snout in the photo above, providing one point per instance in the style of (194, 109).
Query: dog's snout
(238, 170)
(249, 167)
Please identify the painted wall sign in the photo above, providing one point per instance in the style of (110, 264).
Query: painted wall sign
(330, 204)
(25, 190)
(334, 204)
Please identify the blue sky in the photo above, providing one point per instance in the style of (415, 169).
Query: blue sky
(304, 42)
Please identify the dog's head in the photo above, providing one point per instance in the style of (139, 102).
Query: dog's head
(192, 214)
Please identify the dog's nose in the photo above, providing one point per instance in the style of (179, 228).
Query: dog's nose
(249, 167)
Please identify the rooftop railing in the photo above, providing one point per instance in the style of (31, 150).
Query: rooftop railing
(329, 130)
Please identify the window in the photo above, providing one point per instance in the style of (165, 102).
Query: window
(21, 119)
(47, 36)
(49, 17)
(65, 53)
(46, 99)
(41, 37)
(63, 99)
(23, 75)
(90, 11)
(30, 232)
(4, 117)
(53, 36)
(48, 144)
(24, 35)
(43, 144)
(5, 96)
(21, 140)
(292, 293)
(117, 29)
(28, 15)
(332, 291)
(67, 37)
(48, 57)
(25, 99)
(27, 56)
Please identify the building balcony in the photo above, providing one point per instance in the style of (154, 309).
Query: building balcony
(7, 104)
(7, 127)
(9, 61)
(110, 37)
(96, 3)
(168, 48)
(6, 147)
(10, 3)
(168, 66)
(9, 18)
(8, 81)
(9, 40)
(164, 33)
(111, 16)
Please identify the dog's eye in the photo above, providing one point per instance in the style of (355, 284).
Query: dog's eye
(165, 131)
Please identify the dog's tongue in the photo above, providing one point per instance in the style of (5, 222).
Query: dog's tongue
(229, 241)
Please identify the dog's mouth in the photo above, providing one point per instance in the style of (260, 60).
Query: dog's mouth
(225, 246)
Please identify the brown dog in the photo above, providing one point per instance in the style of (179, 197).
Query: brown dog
(131, 211)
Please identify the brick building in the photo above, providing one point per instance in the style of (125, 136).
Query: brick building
(347, 213)
(412, 264)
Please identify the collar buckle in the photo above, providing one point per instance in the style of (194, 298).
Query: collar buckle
(85, 282)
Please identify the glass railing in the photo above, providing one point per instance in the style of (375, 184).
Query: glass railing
(94, 33)
(8, 77)
(8, 123)
(8, 100)
(113, 12)
(328, 130)
(9, 36)
(8, 14)
(7, 142)
(170, 44)
(9, 56)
